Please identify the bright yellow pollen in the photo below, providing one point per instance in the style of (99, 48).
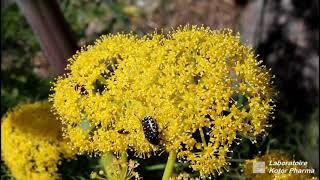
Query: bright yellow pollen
(31, 142)
(193, 80)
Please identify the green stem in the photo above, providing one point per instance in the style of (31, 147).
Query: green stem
(269, 144)
(156, 167)
(106, 159)
(236, 160)
(170, 165)
(203, 139)
(124, 158)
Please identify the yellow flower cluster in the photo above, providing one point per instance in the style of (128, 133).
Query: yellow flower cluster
(275, 156)
(31, 142)
(194, 82)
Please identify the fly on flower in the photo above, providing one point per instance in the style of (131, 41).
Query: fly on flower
(123, 131)
(81, 89)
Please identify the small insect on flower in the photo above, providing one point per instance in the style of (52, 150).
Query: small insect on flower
(82, 89)
(123, 131)
(150, 129)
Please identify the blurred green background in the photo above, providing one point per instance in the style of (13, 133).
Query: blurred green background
(284, 33)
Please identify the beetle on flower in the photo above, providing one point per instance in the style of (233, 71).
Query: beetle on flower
(188, 79)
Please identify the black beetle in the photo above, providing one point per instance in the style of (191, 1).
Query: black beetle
(151, 130)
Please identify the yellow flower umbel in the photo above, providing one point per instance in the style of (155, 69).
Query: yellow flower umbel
(31, 142)
(275, 156)
(194, 82)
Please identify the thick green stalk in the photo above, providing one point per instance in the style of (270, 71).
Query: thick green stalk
(124, 159)
(170, 165)
(106, 160)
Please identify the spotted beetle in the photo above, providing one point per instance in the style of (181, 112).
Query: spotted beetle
(151, 130)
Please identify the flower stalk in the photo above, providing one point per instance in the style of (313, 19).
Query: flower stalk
(106, 159)
(170, 165)
(113, 168)
(124, 169)
(203, 139)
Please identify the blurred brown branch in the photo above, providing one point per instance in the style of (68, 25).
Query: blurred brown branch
(53, 31)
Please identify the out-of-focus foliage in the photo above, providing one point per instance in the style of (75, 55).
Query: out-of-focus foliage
(15, 31)
(91, 19)
(18, 47)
